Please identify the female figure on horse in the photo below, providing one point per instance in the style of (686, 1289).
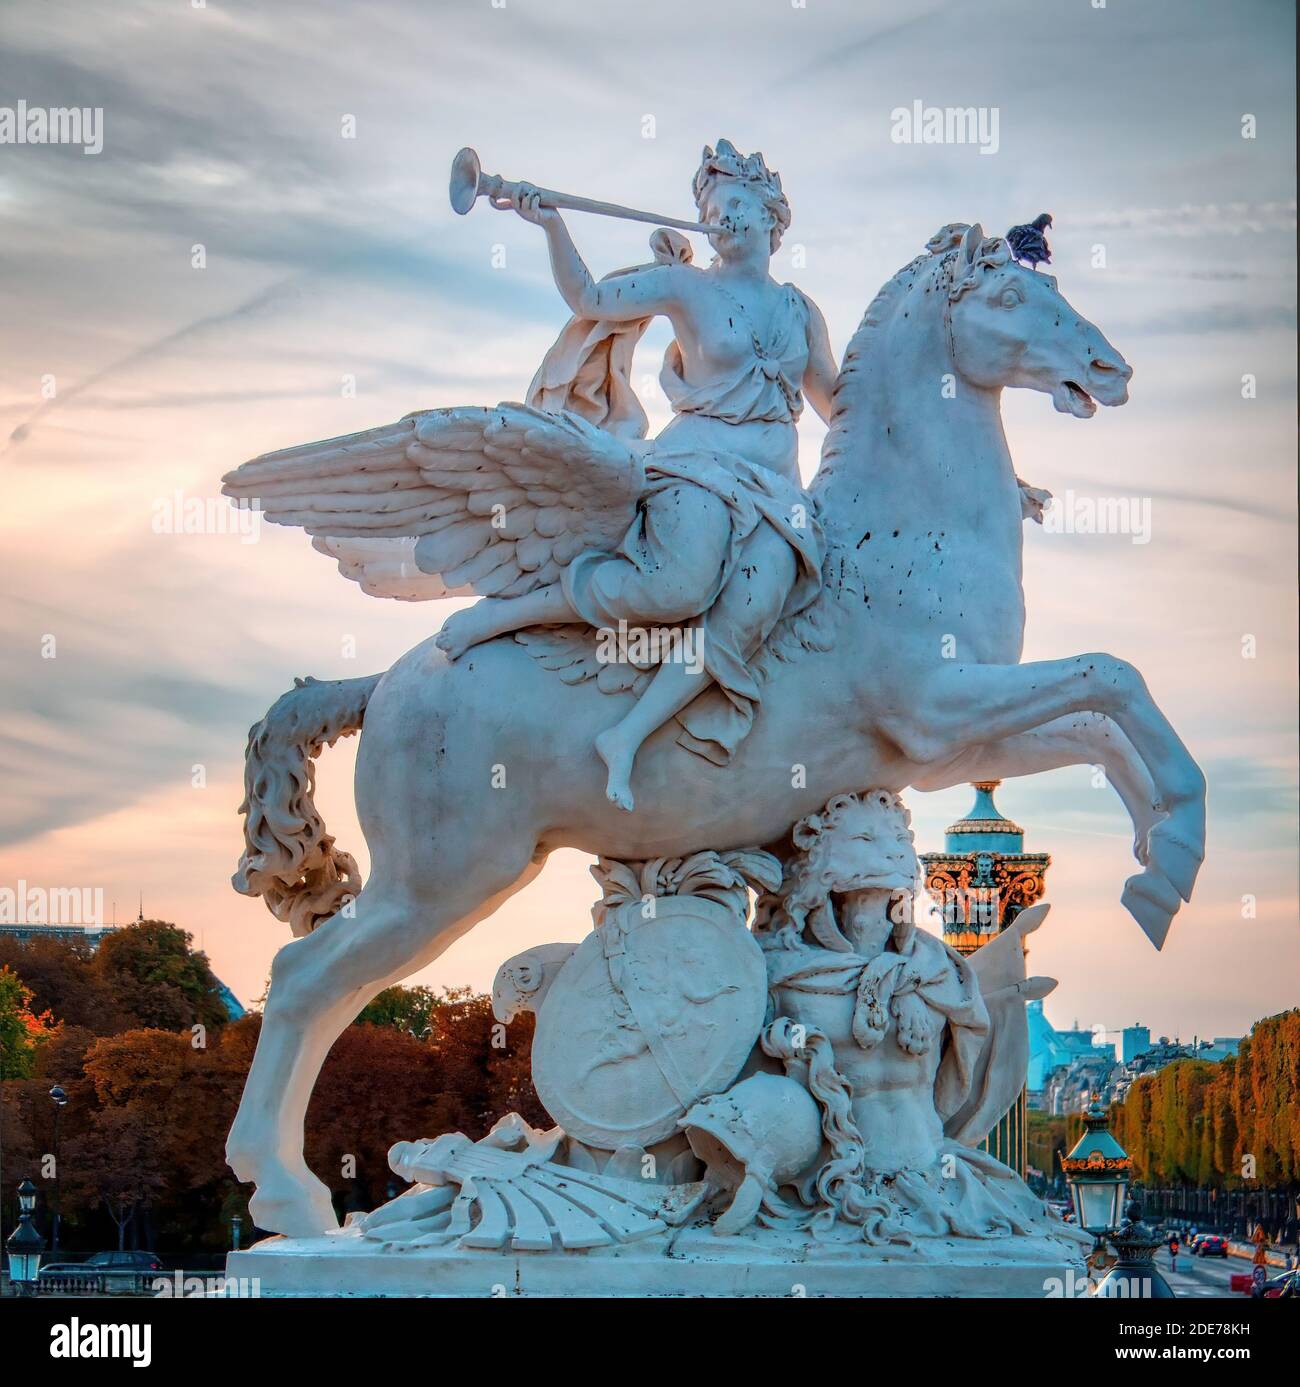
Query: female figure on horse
(724, 537)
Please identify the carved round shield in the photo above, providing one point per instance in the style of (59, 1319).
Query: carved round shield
(648, 1016)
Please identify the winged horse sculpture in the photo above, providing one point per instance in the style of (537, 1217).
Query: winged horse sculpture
(902, 670)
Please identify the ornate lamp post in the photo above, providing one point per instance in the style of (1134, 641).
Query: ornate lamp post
(60, 1101)
(1098, 1170)
(25, 1245)
(1135, 1275)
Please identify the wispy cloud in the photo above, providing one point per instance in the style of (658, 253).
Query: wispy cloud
(339, 292)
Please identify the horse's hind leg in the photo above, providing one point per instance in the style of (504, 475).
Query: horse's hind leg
(318, 985)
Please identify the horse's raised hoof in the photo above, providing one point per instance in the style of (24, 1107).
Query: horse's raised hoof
(298, 1208)
(1172, 857)
(1152, 902)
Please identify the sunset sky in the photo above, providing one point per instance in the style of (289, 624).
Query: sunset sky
(328, 257)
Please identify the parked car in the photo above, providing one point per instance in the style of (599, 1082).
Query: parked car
(101, 1274)
(1210, 1245)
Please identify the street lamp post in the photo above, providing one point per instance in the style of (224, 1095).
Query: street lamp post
(60, 1101)
(1134, 1275)
(1098, 1170)
(25, 1245)
(236, 1225)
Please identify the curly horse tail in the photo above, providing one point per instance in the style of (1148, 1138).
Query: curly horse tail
(289, 860)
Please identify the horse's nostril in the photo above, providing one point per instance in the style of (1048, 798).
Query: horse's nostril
(1100, 366)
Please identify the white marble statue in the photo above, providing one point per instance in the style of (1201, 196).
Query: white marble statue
(805, 644)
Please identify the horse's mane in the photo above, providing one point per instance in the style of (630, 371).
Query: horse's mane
(937, 270)
(810, 629)
(930, 270)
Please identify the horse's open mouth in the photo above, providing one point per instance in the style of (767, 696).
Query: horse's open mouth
(1070, 398)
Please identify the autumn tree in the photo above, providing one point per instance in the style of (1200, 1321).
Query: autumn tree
(59, 972)
(1227, 1124)
(22, 1031)
(142, 1137)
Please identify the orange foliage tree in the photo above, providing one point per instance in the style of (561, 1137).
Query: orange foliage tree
(1228, 1124)
(142, 1157)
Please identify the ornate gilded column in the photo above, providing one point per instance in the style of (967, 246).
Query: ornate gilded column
(981, 881)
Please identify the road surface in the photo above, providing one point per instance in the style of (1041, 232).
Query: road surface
(1198, 1277)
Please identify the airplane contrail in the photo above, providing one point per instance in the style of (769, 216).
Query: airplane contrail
(262, 299)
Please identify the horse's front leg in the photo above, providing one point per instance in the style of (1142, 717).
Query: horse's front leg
(1083, 739)
(960, 706)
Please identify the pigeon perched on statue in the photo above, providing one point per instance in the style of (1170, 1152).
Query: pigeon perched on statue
(1029, 244)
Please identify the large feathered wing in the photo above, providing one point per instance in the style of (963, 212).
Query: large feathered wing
(449, 501)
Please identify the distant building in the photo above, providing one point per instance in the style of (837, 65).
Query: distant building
(234, 1009)
(90, 934)
(1150, 1061)
(1051, 1049)
(1134, 1040)
(1070, 1087)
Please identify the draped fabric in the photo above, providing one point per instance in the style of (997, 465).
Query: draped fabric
(588, 369)
(688, 552)
(700, 510)
(928, 973)
(962, 1191)
(767, 387)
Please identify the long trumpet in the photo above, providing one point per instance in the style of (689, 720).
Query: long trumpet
(469, 183)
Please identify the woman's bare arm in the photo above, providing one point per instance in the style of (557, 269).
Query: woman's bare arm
(821, 372)
(623, 299)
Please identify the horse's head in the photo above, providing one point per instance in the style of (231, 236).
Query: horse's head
(1009, 326)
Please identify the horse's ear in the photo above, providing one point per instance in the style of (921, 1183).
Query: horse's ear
(971, 242)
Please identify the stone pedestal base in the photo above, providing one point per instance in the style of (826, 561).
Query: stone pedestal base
(688, 1263)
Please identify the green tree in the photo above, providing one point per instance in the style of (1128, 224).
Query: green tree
(408, 1009)
(157, 976)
